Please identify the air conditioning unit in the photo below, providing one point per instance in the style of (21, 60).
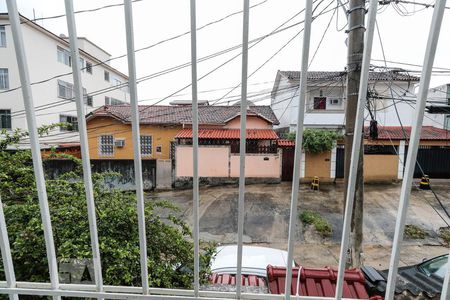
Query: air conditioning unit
(335, 101)
(119, 143)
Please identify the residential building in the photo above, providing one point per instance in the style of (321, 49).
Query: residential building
(166, 141)
(326, 99)
(438, 107)
(48, 56)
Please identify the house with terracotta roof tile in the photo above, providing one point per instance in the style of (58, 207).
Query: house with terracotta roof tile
(385, 154)
(166, 143)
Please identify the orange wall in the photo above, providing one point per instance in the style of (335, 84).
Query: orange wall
(161, 136)
(252, 123)
(380, 167)
(318, 165)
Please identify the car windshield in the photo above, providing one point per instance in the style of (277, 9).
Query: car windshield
(436, 266)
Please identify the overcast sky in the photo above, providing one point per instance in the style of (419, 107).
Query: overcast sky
(404, 39)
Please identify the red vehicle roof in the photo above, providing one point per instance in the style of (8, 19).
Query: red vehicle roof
(318, 282)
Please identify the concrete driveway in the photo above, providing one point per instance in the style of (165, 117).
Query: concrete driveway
(267, 219)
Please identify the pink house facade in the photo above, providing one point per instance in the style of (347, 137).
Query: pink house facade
(219, 150)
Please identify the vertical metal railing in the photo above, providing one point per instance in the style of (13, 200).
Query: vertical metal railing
(356, 147)
(242, 150)
(298, 146)
(116, 292)
(6, 254)
(136, 143)
(195, 183)
(24, 75)
(86, 161)
(414, 142)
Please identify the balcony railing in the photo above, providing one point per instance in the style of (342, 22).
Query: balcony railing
(57, 290)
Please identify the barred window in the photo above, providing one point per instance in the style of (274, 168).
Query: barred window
(64, 56)
(89, 67)
(4, 79)
(106, 145)
(65, 90)
(2, 36)
(72, 123)
(5, 119)
(146, 144)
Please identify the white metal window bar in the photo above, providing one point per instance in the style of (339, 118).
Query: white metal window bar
(86, 161)
(242, 148)
(57, 290)
(298, 146)
(136, 142)
(195, 180)
(34, 142)
(433, 37)
(146, 145)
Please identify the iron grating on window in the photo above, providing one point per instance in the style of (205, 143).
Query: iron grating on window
(143, 146)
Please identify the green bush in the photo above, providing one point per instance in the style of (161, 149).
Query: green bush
(321, 225)
(317, 140)
(169, 239)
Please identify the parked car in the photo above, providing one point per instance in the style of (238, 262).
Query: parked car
(421, 280)
(254, 260)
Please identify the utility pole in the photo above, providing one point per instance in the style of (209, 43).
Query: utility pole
(356, 29)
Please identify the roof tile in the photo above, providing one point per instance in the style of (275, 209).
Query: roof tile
(163, 114)
(229, 134)
(396, 133)
(317, 282)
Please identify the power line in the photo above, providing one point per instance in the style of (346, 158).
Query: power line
(137, 50)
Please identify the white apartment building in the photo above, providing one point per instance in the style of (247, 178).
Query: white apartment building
(326, 99)
(438, 97)
(48, 55)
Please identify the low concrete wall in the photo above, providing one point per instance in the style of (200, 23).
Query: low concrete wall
(217, 166)
(257, 165)
(212, 162)
(186, 182)
(163, 173)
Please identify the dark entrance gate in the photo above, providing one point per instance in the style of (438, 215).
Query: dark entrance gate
(340, 154)
(287, 163)
(434, 160)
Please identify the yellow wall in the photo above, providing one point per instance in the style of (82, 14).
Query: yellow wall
(318, 165)
(380, 167)
(161, 136)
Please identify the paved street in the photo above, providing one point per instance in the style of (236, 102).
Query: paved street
(267, 219)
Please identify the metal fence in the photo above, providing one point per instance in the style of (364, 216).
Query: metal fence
(57, 290)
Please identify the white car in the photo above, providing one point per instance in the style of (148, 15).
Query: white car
(254, 260)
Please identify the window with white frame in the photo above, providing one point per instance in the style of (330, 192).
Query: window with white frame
(4, 79)
(2, 36)
(113, 101)
(146, 145)
(106, 145)
(5, 119)
(82, 64)
(447, 122)
(106, 75)
(88, 100)
(65, 90)
(71, 122)
(64, 56)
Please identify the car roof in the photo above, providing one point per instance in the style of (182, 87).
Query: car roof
(254, 259)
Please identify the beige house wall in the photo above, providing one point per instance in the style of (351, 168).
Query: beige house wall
(380, 167)
(318, 165)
